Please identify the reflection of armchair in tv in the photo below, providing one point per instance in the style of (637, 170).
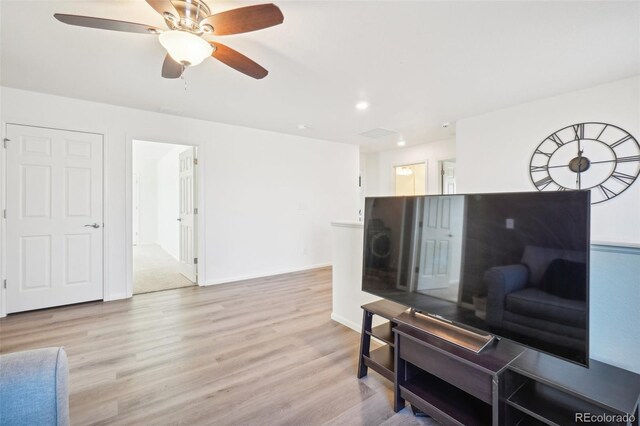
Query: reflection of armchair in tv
(543, 297)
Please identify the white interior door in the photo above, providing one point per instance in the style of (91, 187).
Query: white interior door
(54, 218)
(436, 244)
(448, 177)
(187, 214)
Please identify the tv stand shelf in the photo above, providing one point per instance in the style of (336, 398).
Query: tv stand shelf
(383, 333)
(381, 360)
(503, 385)
(552, 391)
(443, 401)
(547, 404)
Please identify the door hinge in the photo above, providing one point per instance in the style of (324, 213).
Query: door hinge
(195, 161)
(4, 284)
(4, 214)
(4, 142)
(195, 210)
(195, 260)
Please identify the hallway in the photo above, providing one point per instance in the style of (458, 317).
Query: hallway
(155, 270)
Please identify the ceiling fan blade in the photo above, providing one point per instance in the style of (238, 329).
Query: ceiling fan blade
(244, 19)
(106, 24)
(163, 6)
(170, 68)
(238, 61)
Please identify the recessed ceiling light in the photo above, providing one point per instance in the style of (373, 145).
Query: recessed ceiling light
(446, 124)
(362, 105)
(402, 142)
(302, 126)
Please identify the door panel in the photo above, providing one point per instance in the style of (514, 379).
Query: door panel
(36, 191)
(436, 235)
(54, 189)
(78, 191)
(78, 259)
(187, 216)
(35, 255)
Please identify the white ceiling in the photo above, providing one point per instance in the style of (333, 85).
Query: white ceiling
(417, 63)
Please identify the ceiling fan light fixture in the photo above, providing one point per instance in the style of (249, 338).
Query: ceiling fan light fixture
(185, 48)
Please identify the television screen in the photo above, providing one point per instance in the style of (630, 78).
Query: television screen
(515, 265)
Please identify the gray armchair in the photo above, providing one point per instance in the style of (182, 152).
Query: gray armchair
(34, 388)
(518, 302)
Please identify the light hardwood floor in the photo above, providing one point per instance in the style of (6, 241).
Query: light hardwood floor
(258, 352)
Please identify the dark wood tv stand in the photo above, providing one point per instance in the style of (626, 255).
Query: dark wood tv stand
(380, 359)
(503, 385)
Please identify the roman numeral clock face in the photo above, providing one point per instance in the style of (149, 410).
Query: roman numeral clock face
(597, 156)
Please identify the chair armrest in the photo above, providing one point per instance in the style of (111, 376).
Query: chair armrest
(500, 281)
(34, 387)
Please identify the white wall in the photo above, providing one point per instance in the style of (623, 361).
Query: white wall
(168, 170)
(269, 197)
(148, 202)
(494, 149)
(379, 178)
(348, 297)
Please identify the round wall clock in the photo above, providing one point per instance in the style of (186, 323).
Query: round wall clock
(597, 156)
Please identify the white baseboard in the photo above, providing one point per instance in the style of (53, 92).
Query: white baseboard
(264, 275)
(342, 320)
(116, 296)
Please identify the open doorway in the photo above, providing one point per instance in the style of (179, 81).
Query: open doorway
(411, 179)
(164, 210)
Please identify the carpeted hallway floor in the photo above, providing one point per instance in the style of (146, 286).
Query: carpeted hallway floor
(154, 270)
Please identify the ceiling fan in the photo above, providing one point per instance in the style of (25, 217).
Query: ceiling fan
(189, 21)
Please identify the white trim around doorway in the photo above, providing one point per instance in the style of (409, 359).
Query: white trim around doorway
(200, 188)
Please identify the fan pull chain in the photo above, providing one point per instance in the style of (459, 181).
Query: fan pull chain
(184, 68)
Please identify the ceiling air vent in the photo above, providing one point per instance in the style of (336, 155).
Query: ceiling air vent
(378, 133)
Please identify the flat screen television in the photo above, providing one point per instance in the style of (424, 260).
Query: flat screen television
(515, 265)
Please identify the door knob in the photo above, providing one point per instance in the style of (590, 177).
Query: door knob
(179, 220)
(93, 225)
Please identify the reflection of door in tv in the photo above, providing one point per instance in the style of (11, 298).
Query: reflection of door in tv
(441, 247)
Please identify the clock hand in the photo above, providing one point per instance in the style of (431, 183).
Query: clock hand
(620, 159)
(578, 178)
(594, 162)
